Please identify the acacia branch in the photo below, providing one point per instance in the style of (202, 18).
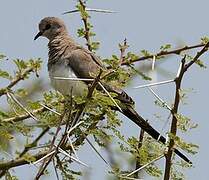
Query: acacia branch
(86, 26)
(18, 78)
(23, 116)
(164, 53)
(173, 130)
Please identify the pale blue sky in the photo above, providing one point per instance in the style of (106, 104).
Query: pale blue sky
(147, 25)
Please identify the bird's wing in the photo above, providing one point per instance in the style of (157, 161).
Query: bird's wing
(82, 63)
(94, 57)
(86, 64)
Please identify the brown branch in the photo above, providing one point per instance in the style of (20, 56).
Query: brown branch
(195, 59)
(85, 22)
(173, 129)
(138, 164)
(174, 110)
(123, 48)
(23, 116)
(15, 81)
(163, 53)
(48, 160)
(34, 143)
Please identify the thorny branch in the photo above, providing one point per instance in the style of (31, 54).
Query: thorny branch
(164, 53)
(173, 130)
(86, 26)
(18, 78)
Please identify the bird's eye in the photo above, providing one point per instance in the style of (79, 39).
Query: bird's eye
(48, 26)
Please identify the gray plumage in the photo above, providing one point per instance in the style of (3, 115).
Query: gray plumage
(69, 59)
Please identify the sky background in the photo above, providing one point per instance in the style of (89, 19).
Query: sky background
(147, 25)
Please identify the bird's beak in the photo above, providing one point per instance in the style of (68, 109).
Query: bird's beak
(38, 35)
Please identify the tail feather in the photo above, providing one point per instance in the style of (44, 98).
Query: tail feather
(141, 122)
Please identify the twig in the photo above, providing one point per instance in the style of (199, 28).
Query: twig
(11, 96)
(189, 64)
(55, 169)
(26, 116)
(29, 146)
(138, 163)
(68, 136)
(129, 178)
(164, 53)
(15, 81)
(183, 68)
(123, 48)
(46, 162)
(86, 26)
(174, 111)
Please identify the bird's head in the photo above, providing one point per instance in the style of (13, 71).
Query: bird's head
(51, 27)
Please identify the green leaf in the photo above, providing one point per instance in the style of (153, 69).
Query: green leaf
(200, 63)
(21, 92)
(21, 64)
(165, 47)
(4, 74)
(145, 52)
(205, 40)
(95, 45)
(81, 32)
(29, 158)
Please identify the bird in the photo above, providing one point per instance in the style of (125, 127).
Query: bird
(68, 59)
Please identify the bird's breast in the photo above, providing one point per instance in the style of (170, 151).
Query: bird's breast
(61, 69)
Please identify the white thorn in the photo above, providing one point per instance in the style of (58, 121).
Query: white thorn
(142, 167)
(154, 84)
(110, 96)
(73, 79)
(153, 62)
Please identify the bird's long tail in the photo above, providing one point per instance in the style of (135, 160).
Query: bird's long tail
(141, 122)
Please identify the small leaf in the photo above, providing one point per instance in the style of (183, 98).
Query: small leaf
(4, 74)
(200, 63)
(29, 158)
(205, 40)
(145, 52)
(165, 47)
